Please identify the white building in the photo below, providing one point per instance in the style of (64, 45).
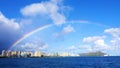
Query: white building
(4, 53)
(9, 53)
(37, 54)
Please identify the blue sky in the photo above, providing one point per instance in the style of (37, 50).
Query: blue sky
(80, 25)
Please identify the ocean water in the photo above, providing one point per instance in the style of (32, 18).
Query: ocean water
(61, 62)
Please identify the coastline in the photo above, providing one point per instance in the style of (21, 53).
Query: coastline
(63, 57)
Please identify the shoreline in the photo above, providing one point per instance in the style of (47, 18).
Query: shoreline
(62, 57)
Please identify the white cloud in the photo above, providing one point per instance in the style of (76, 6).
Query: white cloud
(97, 42)
(80, 48)
(8, 23)
(66, 30)
(72, 48)
(33, 46)
(115, 32)
(94, 38)
(100, 44)
(49, 9)
(86, 48)
(33, 43)
(9, 31)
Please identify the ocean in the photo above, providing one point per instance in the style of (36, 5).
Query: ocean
(61, 62)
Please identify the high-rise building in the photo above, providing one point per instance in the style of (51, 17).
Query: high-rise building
(56, 54)
(9, 53)
(37, 54)
(28, 54)
(64, 54)
(19, 54)
(14, 54)
(4, 53)
(23, 54)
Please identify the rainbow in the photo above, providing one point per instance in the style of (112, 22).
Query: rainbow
(47, 26)
(30, 33)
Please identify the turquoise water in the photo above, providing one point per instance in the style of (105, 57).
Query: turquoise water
(61, 62)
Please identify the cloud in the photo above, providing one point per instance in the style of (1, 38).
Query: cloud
(115, 32)
(34, 16)
(100, 44)
(91, 39)
(72, 47)
(51, 9)
(66, 30)
(80, 48)
(86, 48)
(33, 45)
(96, 42)
(29, 46)
(8, 23)
(9, 31)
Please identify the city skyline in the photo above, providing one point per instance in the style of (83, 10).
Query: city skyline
(79, 26)
(28, 54)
